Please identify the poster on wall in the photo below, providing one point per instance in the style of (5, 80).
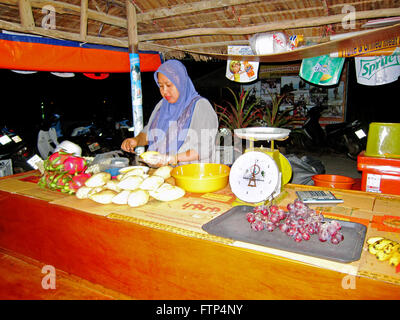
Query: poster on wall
(299, 94)
(241, 71)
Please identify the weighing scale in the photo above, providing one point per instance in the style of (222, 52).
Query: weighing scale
(259, 174)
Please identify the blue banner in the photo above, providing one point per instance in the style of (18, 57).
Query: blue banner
(136, 93)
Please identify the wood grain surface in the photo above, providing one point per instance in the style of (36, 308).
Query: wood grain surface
(147, 263)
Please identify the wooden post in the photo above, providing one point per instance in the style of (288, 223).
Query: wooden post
(26, 16)
(84, 19)
(136, 83)
(132, 27)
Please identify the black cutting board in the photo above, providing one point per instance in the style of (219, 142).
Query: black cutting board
(234, 225)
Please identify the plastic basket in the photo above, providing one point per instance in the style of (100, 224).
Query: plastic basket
(333, 181)
(6, 168)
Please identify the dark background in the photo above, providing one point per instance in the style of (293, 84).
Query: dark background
(81, 98)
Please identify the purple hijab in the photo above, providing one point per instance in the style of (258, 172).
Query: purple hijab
(173, 118)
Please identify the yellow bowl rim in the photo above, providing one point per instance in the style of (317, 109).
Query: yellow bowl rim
(204, 178)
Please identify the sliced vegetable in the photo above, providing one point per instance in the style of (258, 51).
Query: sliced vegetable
(151, 183)
(98, 179)
(113, 185)
(130, 183)
(122, 197)
(134, 172)
(164, 172)
(136, 168)
(148, 155)
(95, 190)
(138, 198)
(83, 192)
(167, 192)
(103, 197)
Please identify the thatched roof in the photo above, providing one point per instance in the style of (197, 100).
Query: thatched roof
(202, 28)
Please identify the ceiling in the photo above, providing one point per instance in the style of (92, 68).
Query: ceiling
(204, 29)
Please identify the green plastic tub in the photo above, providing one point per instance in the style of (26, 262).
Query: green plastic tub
(383, 140)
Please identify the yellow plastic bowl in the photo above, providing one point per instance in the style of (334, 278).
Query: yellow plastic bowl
(201, 177)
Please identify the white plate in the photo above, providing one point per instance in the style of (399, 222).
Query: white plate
(262, 133)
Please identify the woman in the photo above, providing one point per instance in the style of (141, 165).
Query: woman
(183, 125)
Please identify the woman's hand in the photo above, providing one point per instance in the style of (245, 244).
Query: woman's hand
(129, 145)
(158, 160)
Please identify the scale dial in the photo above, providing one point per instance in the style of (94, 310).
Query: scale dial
(254, 176)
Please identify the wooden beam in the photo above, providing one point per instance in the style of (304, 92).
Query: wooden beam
(64, 35)
(132, 27)
(84, 19)
(66, 8)
(25, 14)
(270, 15)
(281, 25)
(302, 53)
(187, 8)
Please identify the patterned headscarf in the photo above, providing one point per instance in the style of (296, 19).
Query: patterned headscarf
(179, 113)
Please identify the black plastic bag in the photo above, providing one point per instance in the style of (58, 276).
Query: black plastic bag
(304, 168)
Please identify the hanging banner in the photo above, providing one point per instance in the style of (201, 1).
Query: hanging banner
(24, 52)
(322, 70)
(241, 71)
(136, 89)
(375, 71)
(383, 47)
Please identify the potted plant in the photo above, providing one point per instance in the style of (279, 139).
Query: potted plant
(273, 116)
(241, 112)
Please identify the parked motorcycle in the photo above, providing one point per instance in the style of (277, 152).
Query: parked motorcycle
(345, 137)
(94, 137)
(13, 146)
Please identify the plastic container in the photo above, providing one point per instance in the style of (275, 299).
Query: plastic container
(69, 147)
(333, 181)
(6, 168)
(116, 164)
(201, 177)
(380, 175)
(383, 140)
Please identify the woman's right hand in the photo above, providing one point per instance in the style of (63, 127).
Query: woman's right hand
(129, 145)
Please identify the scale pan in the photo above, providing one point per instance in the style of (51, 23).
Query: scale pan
(262, 133)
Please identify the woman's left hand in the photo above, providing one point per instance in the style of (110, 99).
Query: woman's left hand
(159, 160)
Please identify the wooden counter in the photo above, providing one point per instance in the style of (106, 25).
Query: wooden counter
(143, 260)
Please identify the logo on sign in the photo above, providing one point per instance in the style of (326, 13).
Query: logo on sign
(370, 67)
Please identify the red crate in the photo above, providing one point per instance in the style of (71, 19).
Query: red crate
(381, 175)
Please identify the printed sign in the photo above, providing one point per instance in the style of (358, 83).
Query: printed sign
(374, 71)
(5, 139)
(241, 71)
(136, 84)
(322, 70)
(373, 183)
(375, 48)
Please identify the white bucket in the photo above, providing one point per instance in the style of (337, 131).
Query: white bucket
(69, 147)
